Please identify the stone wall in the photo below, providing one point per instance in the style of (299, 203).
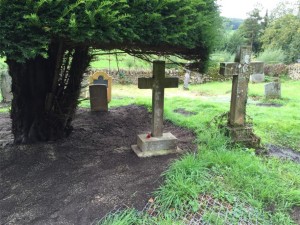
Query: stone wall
(131, 76)
(294, 71)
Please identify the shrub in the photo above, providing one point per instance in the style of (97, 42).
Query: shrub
(222, 56)
(272, 56)
(276, 70)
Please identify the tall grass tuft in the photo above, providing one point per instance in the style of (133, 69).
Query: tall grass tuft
(272, 56)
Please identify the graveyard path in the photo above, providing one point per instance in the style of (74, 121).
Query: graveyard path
(81, 178)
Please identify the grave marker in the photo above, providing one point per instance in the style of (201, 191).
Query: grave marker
(5, 86)
(273, 90)
(158, 143)
(102, 78)
(98, 97)
(187, 76)
(241, 70)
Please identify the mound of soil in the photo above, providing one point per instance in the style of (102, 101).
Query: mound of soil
(79, 179)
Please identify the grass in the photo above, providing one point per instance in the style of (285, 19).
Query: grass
(229, 174)
(124, 61)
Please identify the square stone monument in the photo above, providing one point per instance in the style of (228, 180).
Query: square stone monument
(156, 143)
(98, 98)
(241, 69)
(273, 90)
(102, 78)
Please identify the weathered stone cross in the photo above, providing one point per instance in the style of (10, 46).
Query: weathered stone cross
(241, 70)
(157, 83)
(158, 143)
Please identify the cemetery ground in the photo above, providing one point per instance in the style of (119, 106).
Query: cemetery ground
(74, 182)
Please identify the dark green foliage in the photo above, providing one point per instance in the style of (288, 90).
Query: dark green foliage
(252, 29)
(283, 33)
(234, 41)
(183, 27)
(47, 43)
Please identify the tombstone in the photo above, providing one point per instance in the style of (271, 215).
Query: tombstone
(187, 76)
(102, 78)
(241, 70)
(257, 78)
(156, 143)
(273, 90)
(5, 85)
(98, 98)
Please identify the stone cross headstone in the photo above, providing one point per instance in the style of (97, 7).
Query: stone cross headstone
(156, 143)
(98, 98)
(241, 70)
(5, 86)
(102, 78)
(273, 90)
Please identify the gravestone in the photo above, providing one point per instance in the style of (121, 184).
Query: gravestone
(241, 70)
(98, 98)
(187, 76)
(157, 142)
(104, 79)
(5, 85)
(273, 90)
(257, 78)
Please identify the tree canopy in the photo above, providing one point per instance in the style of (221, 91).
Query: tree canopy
(47, 46)
(284, 33)
(184, 27)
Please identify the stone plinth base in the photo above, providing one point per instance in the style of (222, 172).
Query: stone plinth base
(155, 146)
(243, 135)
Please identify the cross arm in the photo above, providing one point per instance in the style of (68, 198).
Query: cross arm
(145, 83)
(229, 69)
(170, 82)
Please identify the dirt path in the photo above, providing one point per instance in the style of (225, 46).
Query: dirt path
(81, 178)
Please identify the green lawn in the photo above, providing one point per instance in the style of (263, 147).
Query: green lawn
(231, 175)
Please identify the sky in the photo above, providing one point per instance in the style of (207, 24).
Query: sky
(240, 8)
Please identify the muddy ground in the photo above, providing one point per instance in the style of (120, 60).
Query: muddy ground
(81, 178)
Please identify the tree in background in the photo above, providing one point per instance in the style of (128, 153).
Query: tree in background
(47, 46)
(252, 28)
(283, 33)
(234, 41)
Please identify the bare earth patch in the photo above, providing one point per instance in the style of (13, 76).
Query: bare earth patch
(283, 153)
(296, 214)
(81, 178)
(269, 105)
(184, 112)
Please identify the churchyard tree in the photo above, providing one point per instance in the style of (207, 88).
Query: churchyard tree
(47, 47)
(284, 33)
(252, 28)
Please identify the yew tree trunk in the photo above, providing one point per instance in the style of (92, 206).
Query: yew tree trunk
(45, 93)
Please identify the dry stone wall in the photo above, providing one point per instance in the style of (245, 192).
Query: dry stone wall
(131, 76)
(294, 71)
